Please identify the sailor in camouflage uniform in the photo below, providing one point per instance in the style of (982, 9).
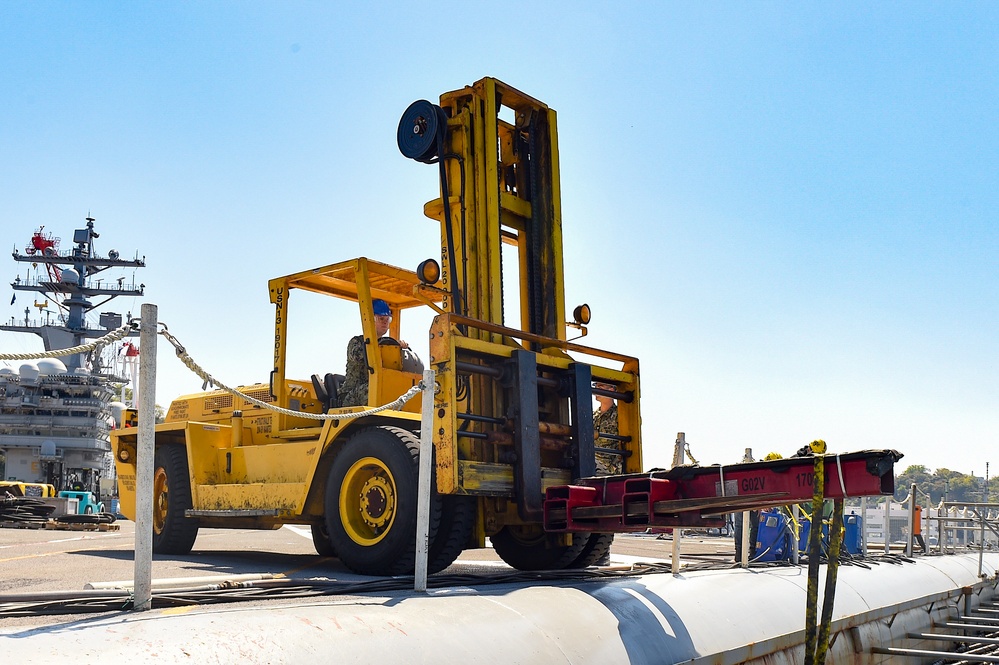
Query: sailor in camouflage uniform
(605, 421)
(354, 391)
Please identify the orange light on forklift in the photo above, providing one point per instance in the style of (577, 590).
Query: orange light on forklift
(429, 271)
(581, 314)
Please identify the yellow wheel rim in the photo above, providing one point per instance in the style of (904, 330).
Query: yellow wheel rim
(161, 499)
(367, 501)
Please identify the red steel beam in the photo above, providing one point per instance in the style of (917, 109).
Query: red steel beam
(701, 496)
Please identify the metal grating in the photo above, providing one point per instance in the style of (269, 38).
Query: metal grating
(262, 394)
(218, 402)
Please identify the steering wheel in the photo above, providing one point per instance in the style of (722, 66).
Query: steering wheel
(388, 341)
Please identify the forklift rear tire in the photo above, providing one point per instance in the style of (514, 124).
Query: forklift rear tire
(321, 541)
(530, 548)
(173, 532)
(370, 504)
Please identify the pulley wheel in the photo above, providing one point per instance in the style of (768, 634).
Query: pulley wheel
(418, 130)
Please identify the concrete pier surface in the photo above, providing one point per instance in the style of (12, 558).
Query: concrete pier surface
(716, 612)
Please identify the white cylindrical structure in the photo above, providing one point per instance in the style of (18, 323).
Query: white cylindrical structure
(709, 617)
(425, 477)
(145, 450)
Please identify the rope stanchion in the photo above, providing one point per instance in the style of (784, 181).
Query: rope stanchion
(211, 381)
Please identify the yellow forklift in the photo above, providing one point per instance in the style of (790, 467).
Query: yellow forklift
(513, 397)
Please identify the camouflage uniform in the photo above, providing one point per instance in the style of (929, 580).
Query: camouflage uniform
(354, 391)
(606, 422)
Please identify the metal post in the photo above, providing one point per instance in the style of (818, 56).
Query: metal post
(424, 489)
(678, 449)
(674, 561)
(926, 526)
(981, 541)
(145, 449)
(910, 520)
(942, 537)
(796, 533)
(863, 526)
(678, 459)
(746, 528)
(888, 500)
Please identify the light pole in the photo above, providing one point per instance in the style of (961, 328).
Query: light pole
(986, 497)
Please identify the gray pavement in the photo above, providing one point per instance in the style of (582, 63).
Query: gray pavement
(41, 561)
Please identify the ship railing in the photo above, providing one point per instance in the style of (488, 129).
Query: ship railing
(51, 285)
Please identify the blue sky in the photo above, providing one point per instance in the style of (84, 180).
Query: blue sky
(788, 213)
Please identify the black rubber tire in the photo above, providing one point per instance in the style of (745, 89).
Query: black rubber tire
(530, 548)
(89, 510)
(321, 541)
(457, 522)
(175, 533)
(382, 549)
(597, 545)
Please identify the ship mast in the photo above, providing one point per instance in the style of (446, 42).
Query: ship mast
(67, 282)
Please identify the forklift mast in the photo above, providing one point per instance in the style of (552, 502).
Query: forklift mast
(500, 178)
(513, 413)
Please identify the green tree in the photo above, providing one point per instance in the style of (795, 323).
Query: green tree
(954, 485)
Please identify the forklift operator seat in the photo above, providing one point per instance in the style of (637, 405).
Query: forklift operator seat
(327, 389)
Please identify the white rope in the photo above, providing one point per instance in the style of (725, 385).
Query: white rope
(112, 336)
(209, 380)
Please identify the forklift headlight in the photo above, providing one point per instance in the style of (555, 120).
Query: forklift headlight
(123, 455)
(429, 271)
(581, 314)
